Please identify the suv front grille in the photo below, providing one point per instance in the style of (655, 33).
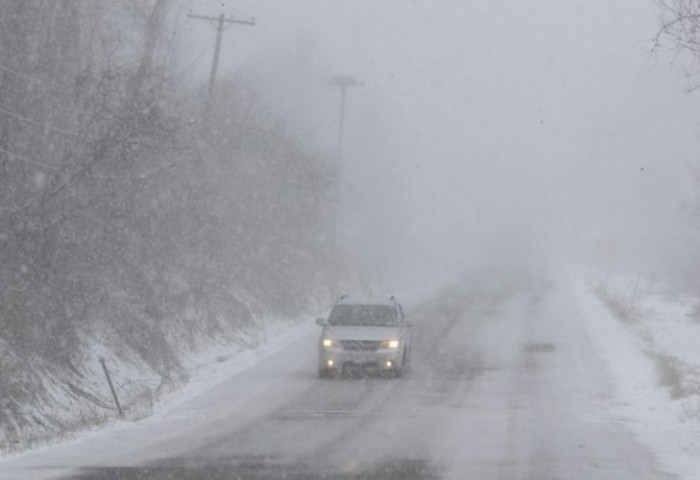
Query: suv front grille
(361, 345)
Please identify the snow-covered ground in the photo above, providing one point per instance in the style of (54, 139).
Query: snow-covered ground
(631, 343)
(207, 366)
(650, 338)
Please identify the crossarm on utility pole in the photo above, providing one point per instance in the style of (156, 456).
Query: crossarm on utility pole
(229, 20)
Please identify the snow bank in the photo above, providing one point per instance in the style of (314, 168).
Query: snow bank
(58, 403)
(650, 337)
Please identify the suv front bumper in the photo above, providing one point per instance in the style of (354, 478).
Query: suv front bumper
(339, 360)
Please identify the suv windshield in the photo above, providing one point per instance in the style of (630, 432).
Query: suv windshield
(366, 315)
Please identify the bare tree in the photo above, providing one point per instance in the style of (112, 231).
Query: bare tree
(680, 32)
(154, 25)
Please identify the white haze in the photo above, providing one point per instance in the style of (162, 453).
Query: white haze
(523, 131)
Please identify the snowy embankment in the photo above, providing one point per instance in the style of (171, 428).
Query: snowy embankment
(150, 370)
(650, 337)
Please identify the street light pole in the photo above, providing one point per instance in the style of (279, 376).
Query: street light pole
(342, 82)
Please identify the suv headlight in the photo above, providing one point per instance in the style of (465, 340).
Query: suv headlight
(391, 344)
(327, 343)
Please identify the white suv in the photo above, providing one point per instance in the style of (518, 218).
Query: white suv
(364, 333)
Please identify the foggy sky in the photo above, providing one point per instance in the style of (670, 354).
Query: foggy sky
(526, 130)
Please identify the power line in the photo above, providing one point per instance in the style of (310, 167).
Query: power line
(44, 78)
(141, 175)
(192, 64)
(29, 160)
(14, 72)
(44, 126)
(263, 44)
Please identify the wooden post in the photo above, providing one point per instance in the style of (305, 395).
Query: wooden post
(111, 386)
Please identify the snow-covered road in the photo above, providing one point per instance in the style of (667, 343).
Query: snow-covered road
(505, 384)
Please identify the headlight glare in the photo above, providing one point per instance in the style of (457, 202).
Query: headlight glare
(327, 343)
(392, 344)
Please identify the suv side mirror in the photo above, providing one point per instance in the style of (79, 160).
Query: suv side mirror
(321, 321)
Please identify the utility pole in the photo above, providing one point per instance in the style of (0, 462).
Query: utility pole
(342, 82)
(221, 23)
